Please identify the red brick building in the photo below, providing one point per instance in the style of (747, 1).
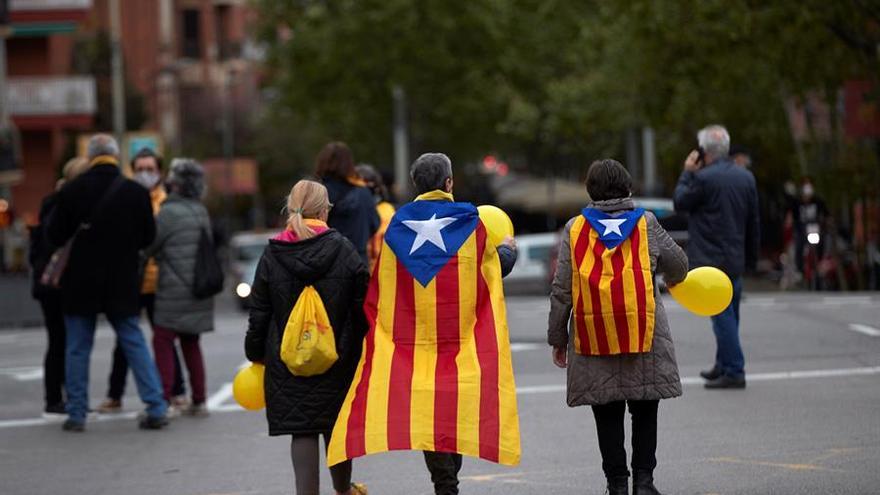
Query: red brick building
(44, 97)
(177, 54)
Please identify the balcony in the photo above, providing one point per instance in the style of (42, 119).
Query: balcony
(19, 5)
(42, 99)
(32, 17)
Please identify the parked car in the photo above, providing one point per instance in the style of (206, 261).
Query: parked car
(529, 274)
(245, 251)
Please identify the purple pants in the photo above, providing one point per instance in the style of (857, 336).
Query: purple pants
(163, 347)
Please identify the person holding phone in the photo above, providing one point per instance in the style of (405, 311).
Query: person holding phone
(721, 200)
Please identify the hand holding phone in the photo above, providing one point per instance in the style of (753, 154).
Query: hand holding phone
(695, 160)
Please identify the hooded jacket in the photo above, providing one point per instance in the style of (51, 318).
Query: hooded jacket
(329, 262)
(353, 214)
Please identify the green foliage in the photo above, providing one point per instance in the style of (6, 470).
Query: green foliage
(553, 84)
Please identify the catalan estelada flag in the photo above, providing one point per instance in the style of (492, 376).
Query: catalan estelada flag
(612, 284)
(436, 371)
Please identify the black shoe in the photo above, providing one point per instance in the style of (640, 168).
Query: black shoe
(726, 381)
(643, 483)
(153, 423)
(618, 485)
(75, 426)
(712, 374)
(57, 408)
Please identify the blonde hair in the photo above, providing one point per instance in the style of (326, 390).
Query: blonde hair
(307, 199)
(71, 170)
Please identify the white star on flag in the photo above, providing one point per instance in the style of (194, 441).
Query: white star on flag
(428, 231)
(612, 226)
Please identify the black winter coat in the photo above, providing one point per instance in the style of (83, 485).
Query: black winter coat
(102, 275)
(40, 250)
(296, 404)
(723, 224)
(353, 214)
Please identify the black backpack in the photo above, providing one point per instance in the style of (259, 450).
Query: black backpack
(208, 276)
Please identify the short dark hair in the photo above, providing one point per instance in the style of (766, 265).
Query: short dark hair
(335, 161)
(430, 171)
(147, 153)
(608, 179)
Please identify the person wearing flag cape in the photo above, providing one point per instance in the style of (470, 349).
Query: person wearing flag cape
(436, 373)
(607, 323)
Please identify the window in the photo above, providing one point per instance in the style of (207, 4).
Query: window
(192, 40)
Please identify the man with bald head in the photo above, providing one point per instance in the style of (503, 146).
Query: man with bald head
(721, 200)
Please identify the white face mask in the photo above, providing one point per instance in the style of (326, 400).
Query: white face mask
(147, 179)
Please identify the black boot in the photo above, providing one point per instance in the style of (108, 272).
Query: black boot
(712, 374)
(643, 483)
(618, 485)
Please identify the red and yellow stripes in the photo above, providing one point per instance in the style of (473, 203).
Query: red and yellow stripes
(436, 372)
(612, 292)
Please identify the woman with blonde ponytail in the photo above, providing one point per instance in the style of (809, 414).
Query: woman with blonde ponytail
(308, 253)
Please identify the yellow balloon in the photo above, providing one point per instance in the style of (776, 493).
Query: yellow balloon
(247, 387)
(707, 291)
(497, 223)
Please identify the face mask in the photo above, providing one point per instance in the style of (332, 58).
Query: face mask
(147, 179)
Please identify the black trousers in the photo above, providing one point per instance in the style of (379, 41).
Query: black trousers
(444, 470)
(119, 367)
(609, 426)
(53, 363)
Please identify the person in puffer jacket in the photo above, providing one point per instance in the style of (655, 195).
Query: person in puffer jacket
(607, 323)
(308, 253)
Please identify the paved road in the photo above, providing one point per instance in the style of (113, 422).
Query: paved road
(809, 421)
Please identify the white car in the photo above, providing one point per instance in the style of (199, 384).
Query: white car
(531, 271)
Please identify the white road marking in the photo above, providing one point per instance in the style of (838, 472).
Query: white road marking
(527, 346)
(833, 300)
(755, 377)
(225, 392)
(527, 390)
(219, 397)
(23, 373)
(864, 329)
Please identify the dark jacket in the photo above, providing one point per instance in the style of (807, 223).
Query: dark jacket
(40, 249)
(329, 262)
(179, 228)
(353, 214)
(102, 275)
(594, 380)
(723, 226)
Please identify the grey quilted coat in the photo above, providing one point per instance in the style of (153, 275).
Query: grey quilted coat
(178, 227)
(594, 380)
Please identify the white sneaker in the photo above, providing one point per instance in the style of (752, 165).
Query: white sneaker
(174, 411)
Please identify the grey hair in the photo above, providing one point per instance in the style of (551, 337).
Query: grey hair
(186, 177)
(102, 145)
(430, 171)
(714, 140)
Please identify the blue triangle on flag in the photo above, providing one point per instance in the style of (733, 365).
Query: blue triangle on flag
(613, 229)
(424, 235)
